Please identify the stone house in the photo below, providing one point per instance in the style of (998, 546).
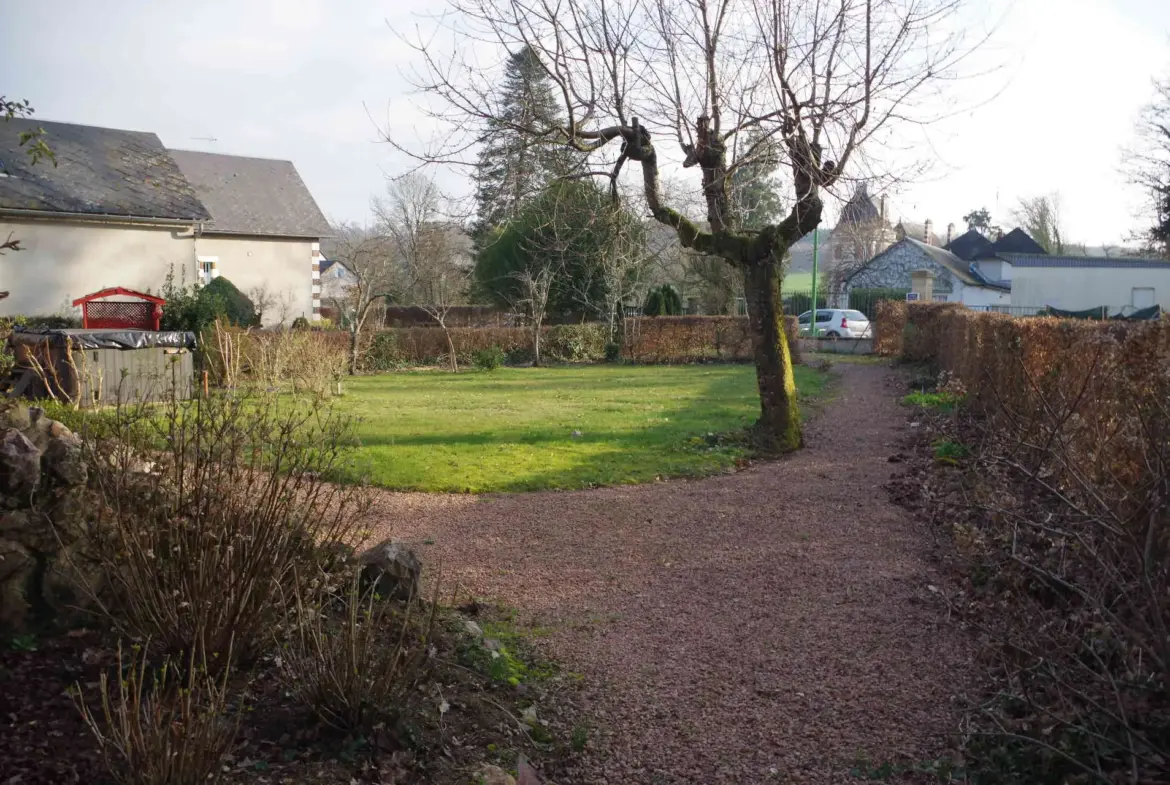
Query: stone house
(120, 209)
(955, 279)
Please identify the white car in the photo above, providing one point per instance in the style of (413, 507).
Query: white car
(836, 323)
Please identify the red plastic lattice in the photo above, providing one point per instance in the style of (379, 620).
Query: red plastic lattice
(107, 315)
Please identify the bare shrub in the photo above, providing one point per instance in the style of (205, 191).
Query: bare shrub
(353, 667)
(302, 361)
(156, 727)
(207, 507)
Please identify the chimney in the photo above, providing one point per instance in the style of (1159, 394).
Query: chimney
(883, 209)
(950, 233)
(926, 232)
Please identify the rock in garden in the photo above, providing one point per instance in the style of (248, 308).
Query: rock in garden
(393, 569)
(16, 567)
(20, 464)
(63, 461)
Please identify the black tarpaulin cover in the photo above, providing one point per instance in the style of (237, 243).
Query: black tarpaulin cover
(1102, 312)
(106, 339)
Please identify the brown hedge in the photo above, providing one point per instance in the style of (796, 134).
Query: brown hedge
(666, 339)
(889, 321)
(897, 335)
(686, 339)
(1081, 410)
(1024, 373)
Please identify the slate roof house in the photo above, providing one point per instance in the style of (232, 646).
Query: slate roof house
(1014, 273)
(967, 270)
(119, 209)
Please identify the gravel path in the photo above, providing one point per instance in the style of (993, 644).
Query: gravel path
(772, 625)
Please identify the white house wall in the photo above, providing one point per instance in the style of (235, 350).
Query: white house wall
(995, 269)
(282, 267)
(979, 296)
(1076, 289)
(60, 262)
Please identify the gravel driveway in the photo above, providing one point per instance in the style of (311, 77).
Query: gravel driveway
(772, 625)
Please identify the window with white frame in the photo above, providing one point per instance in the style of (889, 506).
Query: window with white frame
(208, 267)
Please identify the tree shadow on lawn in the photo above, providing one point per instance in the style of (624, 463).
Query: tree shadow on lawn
(701, 436)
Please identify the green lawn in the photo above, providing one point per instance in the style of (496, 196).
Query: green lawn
(798, 283)
(512, 429)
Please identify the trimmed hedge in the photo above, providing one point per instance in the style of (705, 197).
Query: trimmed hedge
(1079, 409)
(1020, 371)
(688, 339)
(391, 349)
(660, 339)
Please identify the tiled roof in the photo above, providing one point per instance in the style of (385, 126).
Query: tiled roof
(99, 172)
(1116, 262)
(252, 196)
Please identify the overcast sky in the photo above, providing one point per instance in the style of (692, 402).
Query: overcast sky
(299, 79)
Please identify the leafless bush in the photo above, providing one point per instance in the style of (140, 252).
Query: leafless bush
(208, 507)
(299, 360)
(354, 666)
(156, 727)
(223, 353)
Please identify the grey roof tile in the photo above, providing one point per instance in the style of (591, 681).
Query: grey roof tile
(99, 171)
(253, 196)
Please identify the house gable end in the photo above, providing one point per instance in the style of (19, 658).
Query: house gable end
(892, 267)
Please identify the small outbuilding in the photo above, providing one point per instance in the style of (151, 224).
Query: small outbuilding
(97, 367)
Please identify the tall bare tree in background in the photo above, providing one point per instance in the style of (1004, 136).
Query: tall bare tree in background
(426, 244)
(1148, 167)
(368, 258)
(812, 81)
(1039, 216)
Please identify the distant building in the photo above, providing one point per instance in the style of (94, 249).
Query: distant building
(119, 209)
(1013, 273)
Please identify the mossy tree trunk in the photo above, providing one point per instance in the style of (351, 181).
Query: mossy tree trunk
(757, 253)
(778, 429)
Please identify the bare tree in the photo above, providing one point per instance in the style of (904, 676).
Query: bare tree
(411, 214)
(368, 259)
(622, 267)
(263, 300)
(1039, 216)
(449, 292)
(532, 299)
(809, 79)
(1148, 167)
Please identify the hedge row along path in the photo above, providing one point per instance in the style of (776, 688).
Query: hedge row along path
(773, 625)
